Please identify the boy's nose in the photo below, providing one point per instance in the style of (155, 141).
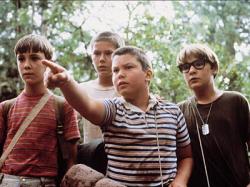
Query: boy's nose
(102, 57)
(192, 69)
(120, 74)
(27, 64)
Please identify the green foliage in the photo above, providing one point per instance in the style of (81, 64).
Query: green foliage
(223, 25)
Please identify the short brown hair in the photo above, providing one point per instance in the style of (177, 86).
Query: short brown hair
(138, 53)
(34, 43)
(108, 36)
(200, 51)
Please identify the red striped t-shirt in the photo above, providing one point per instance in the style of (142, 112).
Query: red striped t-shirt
(35, 153)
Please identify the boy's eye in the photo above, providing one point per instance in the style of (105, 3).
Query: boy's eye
(35, 58)
(198, 63)
(129, 67)
(108, 53)
(20, 59)
(96, 53)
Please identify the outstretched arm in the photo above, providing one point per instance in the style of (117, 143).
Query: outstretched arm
(185, 163)
(91, 109)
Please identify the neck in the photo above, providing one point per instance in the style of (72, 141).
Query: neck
(35, 90)
(141, 101)
(105, 81)
(208, 95)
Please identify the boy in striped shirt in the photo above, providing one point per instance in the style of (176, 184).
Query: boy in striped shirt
(146, 140)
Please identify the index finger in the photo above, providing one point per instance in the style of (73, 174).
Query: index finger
(55, 68)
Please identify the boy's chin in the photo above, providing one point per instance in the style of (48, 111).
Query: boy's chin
(125, 95)
(29, 82)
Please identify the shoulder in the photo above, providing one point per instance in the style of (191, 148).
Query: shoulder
(59, 99)
(89, 83)
(116, 104)
(234, 96)
(62, 105)
(8, 103)
(169, 107)
(183, 103)
(6, 106)
(116, 101)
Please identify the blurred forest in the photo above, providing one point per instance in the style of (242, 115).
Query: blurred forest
(223, 25)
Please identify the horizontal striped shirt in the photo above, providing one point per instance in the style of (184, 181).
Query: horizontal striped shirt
(35, 153)
(139, 143)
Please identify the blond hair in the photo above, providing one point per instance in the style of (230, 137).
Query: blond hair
(200, 51)
(108, 36)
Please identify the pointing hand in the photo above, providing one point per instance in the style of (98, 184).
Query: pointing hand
(57, 76)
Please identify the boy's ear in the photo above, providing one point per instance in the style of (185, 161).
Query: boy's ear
(215, 72)
(149, 74)
(215, 69)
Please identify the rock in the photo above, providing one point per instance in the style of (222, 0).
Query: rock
(106, 182)
(81, 176)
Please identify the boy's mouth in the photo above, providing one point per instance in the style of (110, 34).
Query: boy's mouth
(27, 74)
(193, 79)
(121, 83)
(102, 68)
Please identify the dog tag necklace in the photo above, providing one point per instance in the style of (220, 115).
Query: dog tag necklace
(205, 126)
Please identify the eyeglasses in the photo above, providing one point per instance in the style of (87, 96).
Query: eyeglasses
(197, 64)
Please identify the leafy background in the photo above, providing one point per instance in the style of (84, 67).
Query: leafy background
(223, 25)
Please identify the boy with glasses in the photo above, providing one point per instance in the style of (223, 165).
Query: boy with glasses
(218, 122)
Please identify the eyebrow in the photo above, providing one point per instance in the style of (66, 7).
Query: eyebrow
(185, 62)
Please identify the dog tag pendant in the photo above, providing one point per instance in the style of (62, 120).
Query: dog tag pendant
(205, 129)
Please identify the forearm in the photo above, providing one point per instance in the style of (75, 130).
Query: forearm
(184, 170)
(75, 96)
(58, 76)
(184, 167)
(78, 98)
(72, 154)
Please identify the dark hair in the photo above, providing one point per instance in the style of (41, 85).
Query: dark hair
(34, 43)
(108, 36)
(136, 52)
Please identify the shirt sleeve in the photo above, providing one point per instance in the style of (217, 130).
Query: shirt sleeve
(71, 130)
(110, 111)
(183, 138)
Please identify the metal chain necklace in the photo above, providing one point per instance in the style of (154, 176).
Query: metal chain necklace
(204, 126)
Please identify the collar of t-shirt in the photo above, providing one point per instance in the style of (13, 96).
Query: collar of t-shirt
(152, 103)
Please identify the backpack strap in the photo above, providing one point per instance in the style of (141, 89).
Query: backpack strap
(59, 110)
(6, 108)
(5, 111)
